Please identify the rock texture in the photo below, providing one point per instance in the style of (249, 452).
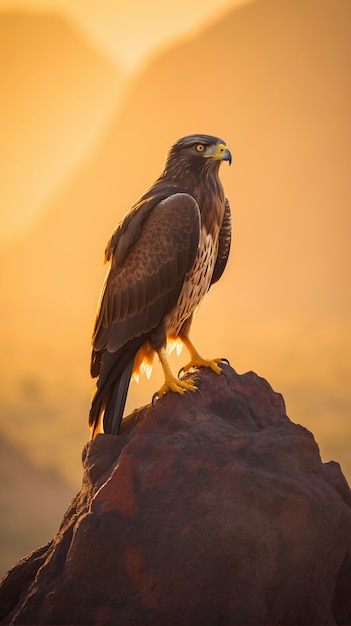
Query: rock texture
(210, 508)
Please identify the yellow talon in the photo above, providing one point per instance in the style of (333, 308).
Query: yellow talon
(171, 382)
(181, 386)
(198, 361)
(176, 385)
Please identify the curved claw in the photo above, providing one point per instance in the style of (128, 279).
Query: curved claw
(181, 371)
(199, 391)
(176, 386)
(224, 360)
(224, 373)
(226, 376)
(190, 393)
(154, 398)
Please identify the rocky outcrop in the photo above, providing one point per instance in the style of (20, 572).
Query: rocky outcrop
(209, 508)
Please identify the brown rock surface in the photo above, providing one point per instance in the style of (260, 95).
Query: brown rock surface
(210, 508)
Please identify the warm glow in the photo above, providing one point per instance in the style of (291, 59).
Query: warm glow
(88, 109)
(41, 145)
(130, 31)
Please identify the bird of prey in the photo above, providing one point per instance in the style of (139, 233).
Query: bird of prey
(165, 254)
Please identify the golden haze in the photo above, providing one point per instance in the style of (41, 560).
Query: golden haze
(130, 32)
(275, 85)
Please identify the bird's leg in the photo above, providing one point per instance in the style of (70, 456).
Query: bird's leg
(171, 382)
(198, 361)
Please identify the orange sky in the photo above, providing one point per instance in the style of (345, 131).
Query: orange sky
(68, 108)
(128, 34)
(284, 112)
(79, 85)
(129, 31)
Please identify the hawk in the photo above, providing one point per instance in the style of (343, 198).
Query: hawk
(165, 254)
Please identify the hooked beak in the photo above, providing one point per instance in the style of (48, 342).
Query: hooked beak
(219, 152)
(227, 156)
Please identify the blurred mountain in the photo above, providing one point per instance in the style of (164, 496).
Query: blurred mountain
(272, 79)
(57, 91)
(31, 502)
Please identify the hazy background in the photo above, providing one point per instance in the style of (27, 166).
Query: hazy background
(92, 95)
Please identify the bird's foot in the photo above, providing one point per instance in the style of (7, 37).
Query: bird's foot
(198, 361)
(174, 384)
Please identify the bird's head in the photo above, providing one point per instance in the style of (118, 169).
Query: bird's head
(196, 152)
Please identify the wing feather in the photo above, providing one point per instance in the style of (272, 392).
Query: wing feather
(145, 285)
(225, 236)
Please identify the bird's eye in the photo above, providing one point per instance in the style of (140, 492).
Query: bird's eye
(199, 147)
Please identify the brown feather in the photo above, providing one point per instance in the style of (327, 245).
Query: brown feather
(159, 271)
(225, 235)
(151, 269)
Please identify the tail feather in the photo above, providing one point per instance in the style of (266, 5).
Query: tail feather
(111, 404)
(116, 401)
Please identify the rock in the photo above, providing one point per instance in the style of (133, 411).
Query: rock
(209, 508)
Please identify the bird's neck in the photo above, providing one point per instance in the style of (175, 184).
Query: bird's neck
(204, 185)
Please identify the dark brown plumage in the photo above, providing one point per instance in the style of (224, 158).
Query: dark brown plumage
(164, 255)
